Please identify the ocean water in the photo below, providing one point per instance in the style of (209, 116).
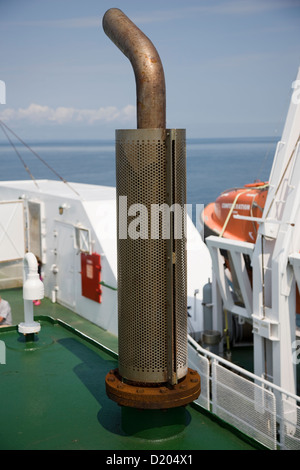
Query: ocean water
(213, 165)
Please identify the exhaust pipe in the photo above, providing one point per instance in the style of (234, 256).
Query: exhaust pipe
(147, 66)
(153, 369)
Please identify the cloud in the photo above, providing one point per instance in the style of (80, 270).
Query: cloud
(37, 113)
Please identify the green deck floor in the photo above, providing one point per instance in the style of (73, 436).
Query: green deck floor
(57, 311)
(52, 394)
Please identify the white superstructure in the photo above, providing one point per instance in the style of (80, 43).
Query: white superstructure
(269, 298)
(59, 222)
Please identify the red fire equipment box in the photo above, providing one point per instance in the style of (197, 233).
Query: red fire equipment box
(91, 276)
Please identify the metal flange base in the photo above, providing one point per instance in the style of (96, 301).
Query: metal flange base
(153, 396)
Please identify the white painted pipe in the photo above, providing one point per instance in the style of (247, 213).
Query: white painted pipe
(33, 289)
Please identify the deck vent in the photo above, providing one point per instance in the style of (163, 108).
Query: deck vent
(33, 289)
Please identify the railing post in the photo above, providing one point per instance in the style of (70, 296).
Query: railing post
(214, 395)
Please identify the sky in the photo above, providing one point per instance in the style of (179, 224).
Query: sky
(229, 66)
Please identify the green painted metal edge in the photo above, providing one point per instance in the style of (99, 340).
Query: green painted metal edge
(228, 426)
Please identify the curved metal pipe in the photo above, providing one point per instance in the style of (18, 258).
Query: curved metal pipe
(147, 66)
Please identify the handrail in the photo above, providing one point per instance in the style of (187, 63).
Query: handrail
(239, 369)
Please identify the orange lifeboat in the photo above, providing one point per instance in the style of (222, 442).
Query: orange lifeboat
(218, 217)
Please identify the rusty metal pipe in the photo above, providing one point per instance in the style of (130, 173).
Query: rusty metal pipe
(147, 67)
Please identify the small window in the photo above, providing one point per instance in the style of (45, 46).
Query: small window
(83, 239)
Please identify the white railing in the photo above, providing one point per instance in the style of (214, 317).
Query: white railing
(255, 406)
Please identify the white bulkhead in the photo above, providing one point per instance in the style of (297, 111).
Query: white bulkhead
(61, 223)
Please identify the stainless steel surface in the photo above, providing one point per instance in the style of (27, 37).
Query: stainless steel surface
(147, 66)
(151, 269)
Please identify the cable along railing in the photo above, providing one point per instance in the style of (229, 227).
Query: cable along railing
(258, 408)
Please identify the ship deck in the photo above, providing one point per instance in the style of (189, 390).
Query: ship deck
(52, 394)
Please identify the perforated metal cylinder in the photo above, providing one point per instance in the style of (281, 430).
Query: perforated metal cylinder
(152, 307)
